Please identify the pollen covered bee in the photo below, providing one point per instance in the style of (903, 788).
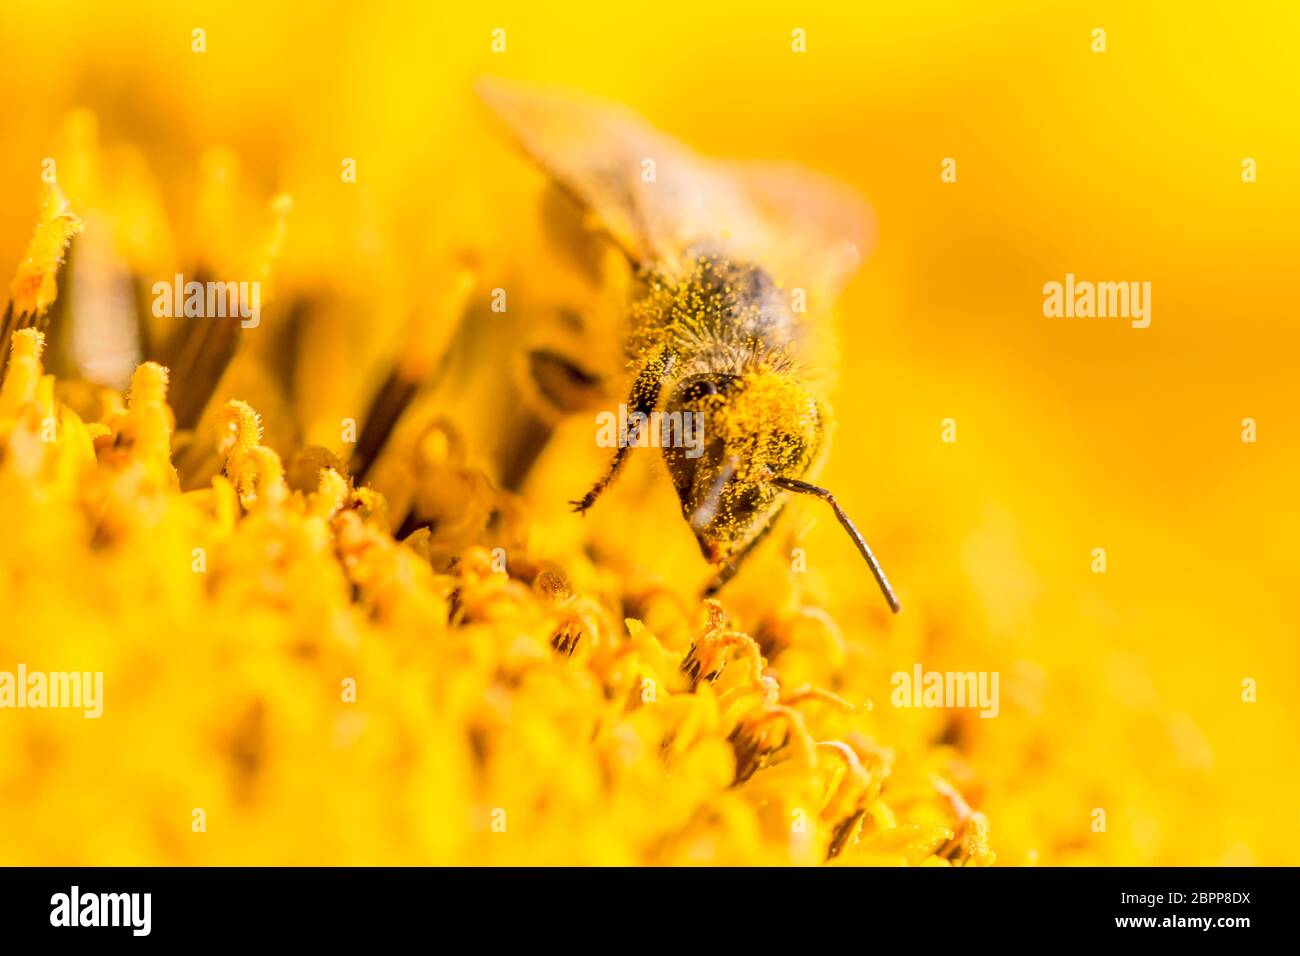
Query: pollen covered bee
(736, 269)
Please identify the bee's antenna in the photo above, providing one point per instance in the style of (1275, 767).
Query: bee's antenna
(709, 506)
(804, 488)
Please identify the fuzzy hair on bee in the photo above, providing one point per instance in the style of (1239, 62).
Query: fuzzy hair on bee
(736, 268)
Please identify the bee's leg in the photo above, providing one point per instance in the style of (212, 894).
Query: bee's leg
(728, 570)
(643, 398)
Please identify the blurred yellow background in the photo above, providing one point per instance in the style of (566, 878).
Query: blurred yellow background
(1121, 690)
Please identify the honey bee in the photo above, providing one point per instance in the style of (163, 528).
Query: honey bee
(732, 261)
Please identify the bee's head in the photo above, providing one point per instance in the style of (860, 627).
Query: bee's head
(738, 432)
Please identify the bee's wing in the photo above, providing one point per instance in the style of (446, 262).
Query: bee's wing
(654, 196)
(817, 230)
(808, 229)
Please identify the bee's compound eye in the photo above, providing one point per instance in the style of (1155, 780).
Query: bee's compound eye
(701, 386)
